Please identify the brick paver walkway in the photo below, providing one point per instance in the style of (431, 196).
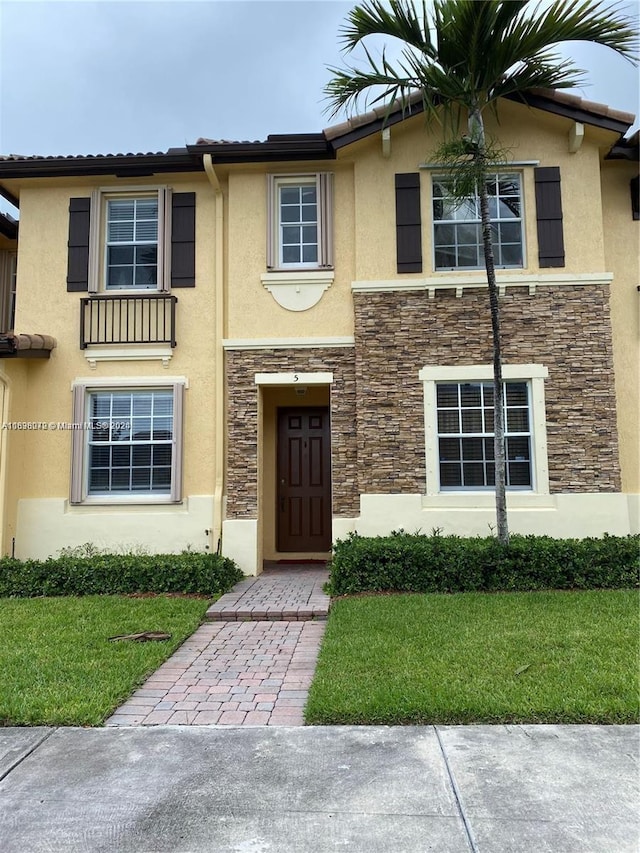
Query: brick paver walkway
(242, 668)
(282, 593)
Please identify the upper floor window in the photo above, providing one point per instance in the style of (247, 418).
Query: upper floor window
(300, 222)
(131, 244)
(131, 240)
(457, 231)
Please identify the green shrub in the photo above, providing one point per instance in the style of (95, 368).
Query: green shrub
(417, 563)
(109, 574)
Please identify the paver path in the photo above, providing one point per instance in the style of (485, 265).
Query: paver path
(242, 668)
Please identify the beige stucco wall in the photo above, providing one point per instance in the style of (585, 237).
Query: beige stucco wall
(526, 135)
(252, 310)
(622, 248)
(43, 457)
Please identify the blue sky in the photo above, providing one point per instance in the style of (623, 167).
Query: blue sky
(107, 77)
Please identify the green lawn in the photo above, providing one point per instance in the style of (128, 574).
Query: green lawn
(554, 657)
(57, 666)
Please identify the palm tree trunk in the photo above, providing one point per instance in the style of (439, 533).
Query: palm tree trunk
(477, 130)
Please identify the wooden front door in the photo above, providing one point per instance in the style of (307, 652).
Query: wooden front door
(304, 480)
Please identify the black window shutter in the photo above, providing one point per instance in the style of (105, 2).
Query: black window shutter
(78, 257)
(549, 215)
(183, 240)
(408, 223)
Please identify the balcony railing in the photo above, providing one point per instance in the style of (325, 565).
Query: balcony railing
(148, 319)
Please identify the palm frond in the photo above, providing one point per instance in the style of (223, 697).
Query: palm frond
(470, 52)
(399, 19)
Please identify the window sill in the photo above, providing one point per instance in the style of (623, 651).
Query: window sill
(124, 502)
(297, 289)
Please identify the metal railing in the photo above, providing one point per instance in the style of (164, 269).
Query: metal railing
(148, 319)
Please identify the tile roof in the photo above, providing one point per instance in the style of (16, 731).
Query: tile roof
(414, 104)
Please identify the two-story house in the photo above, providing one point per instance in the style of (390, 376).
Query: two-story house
(262, 346)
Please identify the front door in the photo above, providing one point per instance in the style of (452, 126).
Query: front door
(304, 480)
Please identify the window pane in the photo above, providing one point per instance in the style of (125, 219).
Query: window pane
(447, 395)
(309, 213)
(309, 254)
(471, 420)
(308, 194)
(468, 256)
(121, 456)
(445, 258)
(146, 276)
(473, 474)
(309, 234)
(449, 449)
(518, 449)
(141, 479)
(290, 195)
(472, 448)
(519, 473)
(469, 395)
(448, 422)
(290, 235)
(119, 278)
(517, 420)
(290, 254)
(290, 214)
(516, 393)
(512, 256)
(450, 475)
(120, 255)
(141, 455)
(120, 209)
(100, 457)
(444, 235)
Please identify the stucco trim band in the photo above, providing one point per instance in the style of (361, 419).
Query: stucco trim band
(460, 283)
(287, 343)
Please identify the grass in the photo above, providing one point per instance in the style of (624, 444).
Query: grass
(59, 667)
(552, 657)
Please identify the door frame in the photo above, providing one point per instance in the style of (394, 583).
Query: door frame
(284, 390)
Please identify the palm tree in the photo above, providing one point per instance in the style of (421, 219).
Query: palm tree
(462, 56)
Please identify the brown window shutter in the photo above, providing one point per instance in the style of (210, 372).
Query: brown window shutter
(634, 186)
(408, 223)
(183, 240)
(78, 257)
(549, 216)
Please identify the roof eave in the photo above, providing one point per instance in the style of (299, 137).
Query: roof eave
(126, 166)
(277, 148)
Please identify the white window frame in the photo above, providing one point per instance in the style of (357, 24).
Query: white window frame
(98, 238)
(455, 223)
(323, 182)
(82, 390)
(534, 375)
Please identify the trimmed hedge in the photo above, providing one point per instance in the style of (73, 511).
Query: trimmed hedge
(405, 562)
(112, 574)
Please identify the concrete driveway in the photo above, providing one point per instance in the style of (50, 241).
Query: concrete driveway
(292, 790)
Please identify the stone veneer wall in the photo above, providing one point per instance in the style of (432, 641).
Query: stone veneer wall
(242, 419)
(567, 329)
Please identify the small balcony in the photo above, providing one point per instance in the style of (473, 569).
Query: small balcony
(118, 320)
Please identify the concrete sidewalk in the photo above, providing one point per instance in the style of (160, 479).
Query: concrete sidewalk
(175, 789)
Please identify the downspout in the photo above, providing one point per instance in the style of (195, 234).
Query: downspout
(207, 162)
